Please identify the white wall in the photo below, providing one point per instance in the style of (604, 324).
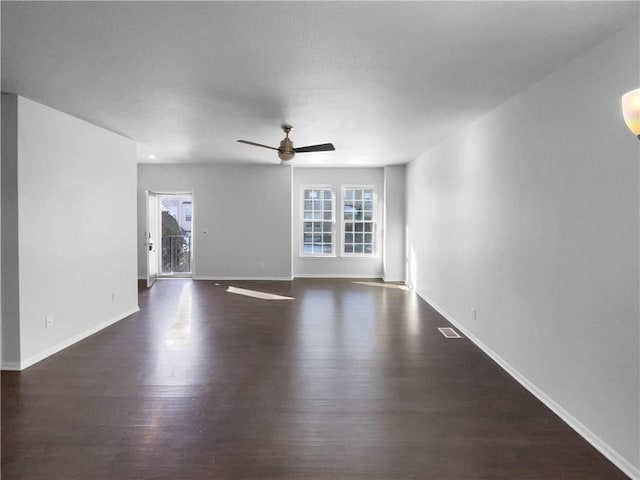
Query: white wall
(10, 283)
(338, 266)
(246, 211)
(76, 229)
(531, 216)
(394, 223)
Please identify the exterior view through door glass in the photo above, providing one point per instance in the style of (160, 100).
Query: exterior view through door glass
(176, 220)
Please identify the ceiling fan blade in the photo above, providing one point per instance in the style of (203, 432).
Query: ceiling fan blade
(325, 147)
(257, 144)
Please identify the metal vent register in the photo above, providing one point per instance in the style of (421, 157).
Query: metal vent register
(449, 332)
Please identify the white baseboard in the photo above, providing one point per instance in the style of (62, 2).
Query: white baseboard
(338, 275)
(11, 366)
(618, 460)
(18, 366)
(226, 279)
(283, 278)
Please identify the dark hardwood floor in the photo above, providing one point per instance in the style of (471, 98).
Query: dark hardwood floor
(347, 381)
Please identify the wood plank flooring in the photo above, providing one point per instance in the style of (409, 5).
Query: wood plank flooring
(347, 381)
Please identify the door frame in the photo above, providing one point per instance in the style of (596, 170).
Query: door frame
(176, 193)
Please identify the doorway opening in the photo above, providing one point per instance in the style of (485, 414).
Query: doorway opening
(168, 237)
(176, 220)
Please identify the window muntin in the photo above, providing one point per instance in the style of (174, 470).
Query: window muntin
(318, 221)
(358, 221)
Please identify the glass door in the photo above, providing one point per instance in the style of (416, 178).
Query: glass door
(176, 226)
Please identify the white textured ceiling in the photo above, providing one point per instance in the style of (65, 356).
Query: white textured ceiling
(383, 81)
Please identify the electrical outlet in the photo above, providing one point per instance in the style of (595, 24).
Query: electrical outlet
(474, 314)
(48, 321)
(113, 297)
(261, 264)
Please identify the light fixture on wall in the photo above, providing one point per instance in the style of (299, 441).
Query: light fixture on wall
(631, 110)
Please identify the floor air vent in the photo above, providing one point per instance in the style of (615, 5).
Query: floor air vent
(449, 332)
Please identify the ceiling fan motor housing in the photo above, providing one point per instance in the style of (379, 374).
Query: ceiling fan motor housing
(285, 152)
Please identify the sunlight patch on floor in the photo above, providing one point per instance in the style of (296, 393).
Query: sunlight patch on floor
(384, 285)
(256, 294)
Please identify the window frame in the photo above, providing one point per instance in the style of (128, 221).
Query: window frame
(373, 222)
(324, 187)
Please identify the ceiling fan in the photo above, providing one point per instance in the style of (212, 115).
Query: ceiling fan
(286, 151)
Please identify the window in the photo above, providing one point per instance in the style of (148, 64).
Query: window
(358, 221)
(318, 221)
(187, 211)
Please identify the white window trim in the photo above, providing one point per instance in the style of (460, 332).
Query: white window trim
(374, 222)
(301, 253)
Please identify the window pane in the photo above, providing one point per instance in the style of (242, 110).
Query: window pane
(317, 234)
(358, 209)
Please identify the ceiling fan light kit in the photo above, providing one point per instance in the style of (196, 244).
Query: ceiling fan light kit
(287, 151)
(631, 110)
